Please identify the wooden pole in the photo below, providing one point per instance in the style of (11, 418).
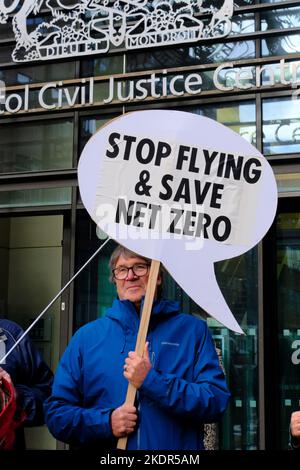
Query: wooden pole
(142, 334)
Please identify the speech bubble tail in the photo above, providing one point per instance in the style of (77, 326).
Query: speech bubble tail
(204, 289)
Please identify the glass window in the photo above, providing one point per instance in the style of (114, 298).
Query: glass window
(281, 45)
(280, 19)
(53, 96)
(89, 126)
(288, 301)
(102, 66)
(281, 126)
(5, 54)
(288, 182)
(239, 117)
(272, 1)
(93, 291)
(242, 3)
(202, 54)
(6, 32)
(38, 74)
(35, 197)
(36, 146)
(33, 22)
(270, 74)
(237, 77)
(242, 24)
(238, 282)
(102, 91)
(30, 276)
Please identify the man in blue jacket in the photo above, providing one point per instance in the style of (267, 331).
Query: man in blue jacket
(30, 378)
(179, 382)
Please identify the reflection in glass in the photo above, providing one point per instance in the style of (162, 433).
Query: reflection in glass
(288, 182)
(102, 66)
(279, 73)
(240, 117)
(5, 54)
(237, 77)
(242, 3)
(166, 85)
(30, 276)
(280, 19)
(93, 290)
(6, 32)
(288, 301)
(281, 126)
(238, 282)
(89, 126)
(102, 91)
(35, 197)
(202, 54)
(54, 96)
(243, 24)
(281, 45)
(38, 74)
(36, 146)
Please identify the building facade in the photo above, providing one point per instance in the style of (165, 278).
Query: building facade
(67, 67)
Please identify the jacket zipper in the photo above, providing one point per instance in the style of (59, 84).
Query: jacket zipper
(139, 428)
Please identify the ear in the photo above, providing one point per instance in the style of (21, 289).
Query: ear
(159, 280)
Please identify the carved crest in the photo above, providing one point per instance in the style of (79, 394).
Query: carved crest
(85, 27)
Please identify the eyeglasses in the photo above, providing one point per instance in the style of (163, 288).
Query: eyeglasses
(138, 269)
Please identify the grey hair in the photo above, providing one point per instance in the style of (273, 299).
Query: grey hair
(122, 251)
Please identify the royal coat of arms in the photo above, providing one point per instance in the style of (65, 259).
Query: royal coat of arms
(65, 28)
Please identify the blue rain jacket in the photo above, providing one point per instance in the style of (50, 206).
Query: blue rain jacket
(30, 375)
(184, 389)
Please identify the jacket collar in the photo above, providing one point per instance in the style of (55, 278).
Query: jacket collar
(125, 312)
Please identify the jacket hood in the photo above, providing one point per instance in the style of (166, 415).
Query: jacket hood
(124, 312)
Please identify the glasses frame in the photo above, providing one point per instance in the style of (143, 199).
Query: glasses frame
(147, 265)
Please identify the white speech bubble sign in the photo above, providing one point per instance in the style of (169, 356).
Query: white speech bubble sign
(182, 189)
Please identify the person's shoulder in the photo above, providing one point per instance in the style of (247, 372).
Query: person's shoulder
(90, 328)
(294, 444)
(191, 321)
(11, 327)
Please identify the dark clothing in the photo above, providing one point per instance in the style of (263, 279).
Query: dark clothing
(294, 444)
(30, 375)
(184, 389)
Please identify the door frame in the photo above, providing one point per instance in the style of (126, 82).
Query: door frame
(286, 203)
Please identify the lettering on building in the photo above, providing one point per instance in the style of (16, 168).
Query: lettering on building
(157, 85)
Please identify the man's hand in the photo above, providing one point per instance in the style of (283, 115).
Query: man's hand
(136, 368)
(123, 420)
(295, 426)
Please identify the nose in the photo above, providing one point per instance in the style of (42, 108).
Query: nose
(130, 275)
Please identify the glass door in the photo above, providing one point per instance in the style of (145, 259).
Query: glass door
(288, 304)
(30, 276)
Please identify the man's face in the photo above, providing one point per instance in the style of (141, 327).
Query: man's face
(133, 287)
